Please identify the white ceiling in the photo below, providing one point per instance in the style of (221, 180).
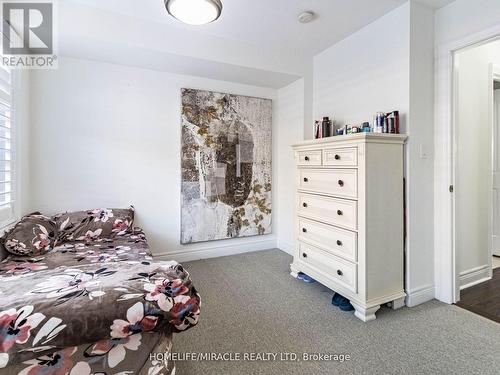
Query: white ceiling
(255, 34)
(270, 24)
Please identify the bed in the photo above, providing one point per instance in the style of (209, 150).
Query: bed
(91, 304)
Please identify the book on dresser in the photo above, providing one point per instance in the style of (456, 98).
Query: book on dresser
(349, 218)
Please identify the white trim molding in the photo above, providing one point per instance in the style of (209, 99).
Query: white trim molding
(420, 295)
(493, 76)
(475, 276)
(445, 272)
(215, 250)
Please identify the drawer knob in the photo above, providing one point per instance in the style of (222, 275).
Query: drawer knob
(339, 272)
(304, 255)
(339, 243)
(337, 157)
(304, 230)
(304, 204)
(341, 183)
(306, 179)
(306, 158)
(340, 213)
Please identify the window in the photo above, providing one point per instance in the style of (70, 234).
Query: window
(7, 149)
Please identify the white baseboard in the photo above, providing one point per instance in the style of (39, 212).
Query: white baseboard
(420, 295)
(285, 246)
(474, 276)
(219, 249)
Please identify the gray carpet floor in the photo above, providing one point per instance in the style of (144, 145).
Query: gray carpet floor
(250, 303)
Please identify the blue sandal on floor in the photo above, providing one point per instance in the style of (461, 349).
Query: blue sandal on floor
(305, 278)
(343, 303)
(336, 299)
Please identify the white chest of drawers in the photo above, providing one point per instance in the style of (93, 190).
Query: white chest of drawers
(349, 218)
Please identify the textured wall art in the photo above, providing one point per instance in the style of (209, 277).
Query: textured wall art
(226, 166)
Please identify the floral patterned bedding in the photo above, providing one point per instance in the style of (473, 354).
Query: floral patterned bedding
(90, 306)
(112, 356)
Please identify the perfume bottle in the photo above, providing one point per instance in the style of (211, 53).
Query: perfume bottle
(317, 129)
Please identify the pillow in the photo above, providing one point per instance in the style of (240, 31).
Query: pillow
(33, 235)
(95, 224)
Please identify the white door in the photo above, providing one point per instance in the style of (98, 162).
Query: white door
(496, 174)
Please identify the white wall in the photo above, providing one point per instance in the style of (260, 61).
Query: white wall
(365, 73)
(419, 158)
(473, 135)
(109, 135)
(308, 101)
(465, 17)
(385, 66)
(290, 106)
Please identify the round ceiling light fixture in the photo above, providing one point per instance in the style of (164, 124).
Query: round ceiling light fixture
(194, 12)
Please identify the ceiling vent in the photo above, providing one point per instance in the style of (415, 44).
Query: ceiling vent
(306, 17)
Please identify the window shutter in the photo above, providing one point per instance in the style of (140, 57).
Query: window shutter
(7, 149)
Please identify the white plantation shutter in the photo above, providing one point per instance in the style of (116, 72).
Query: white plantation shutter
(7, 149)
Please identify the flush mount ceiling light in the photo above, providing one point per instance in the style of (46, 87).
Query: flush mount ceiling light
(194, 12)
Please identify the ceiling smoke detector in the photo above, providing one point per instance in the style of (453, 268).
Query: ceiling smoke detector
(194, 12)
(306, 17)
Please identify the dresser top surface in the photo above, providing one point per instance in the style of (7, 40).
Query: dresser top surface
(359, 137)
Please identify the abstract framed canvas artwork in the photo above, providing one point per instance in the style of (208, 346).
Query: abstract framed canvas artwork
(226, 166)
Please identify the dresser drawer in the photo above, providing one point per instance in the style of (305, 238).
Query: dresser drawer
(335, 211)
(340, 182)
(342, 271)
(333, 240)
(310, 158)
(340, 157)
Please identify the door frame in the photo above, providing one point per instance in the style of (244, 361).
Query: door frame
(494, 76)
(445, 270)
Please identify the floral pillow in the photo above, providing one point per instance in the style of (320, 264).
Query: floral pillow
(35, 234)
(95, 224)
